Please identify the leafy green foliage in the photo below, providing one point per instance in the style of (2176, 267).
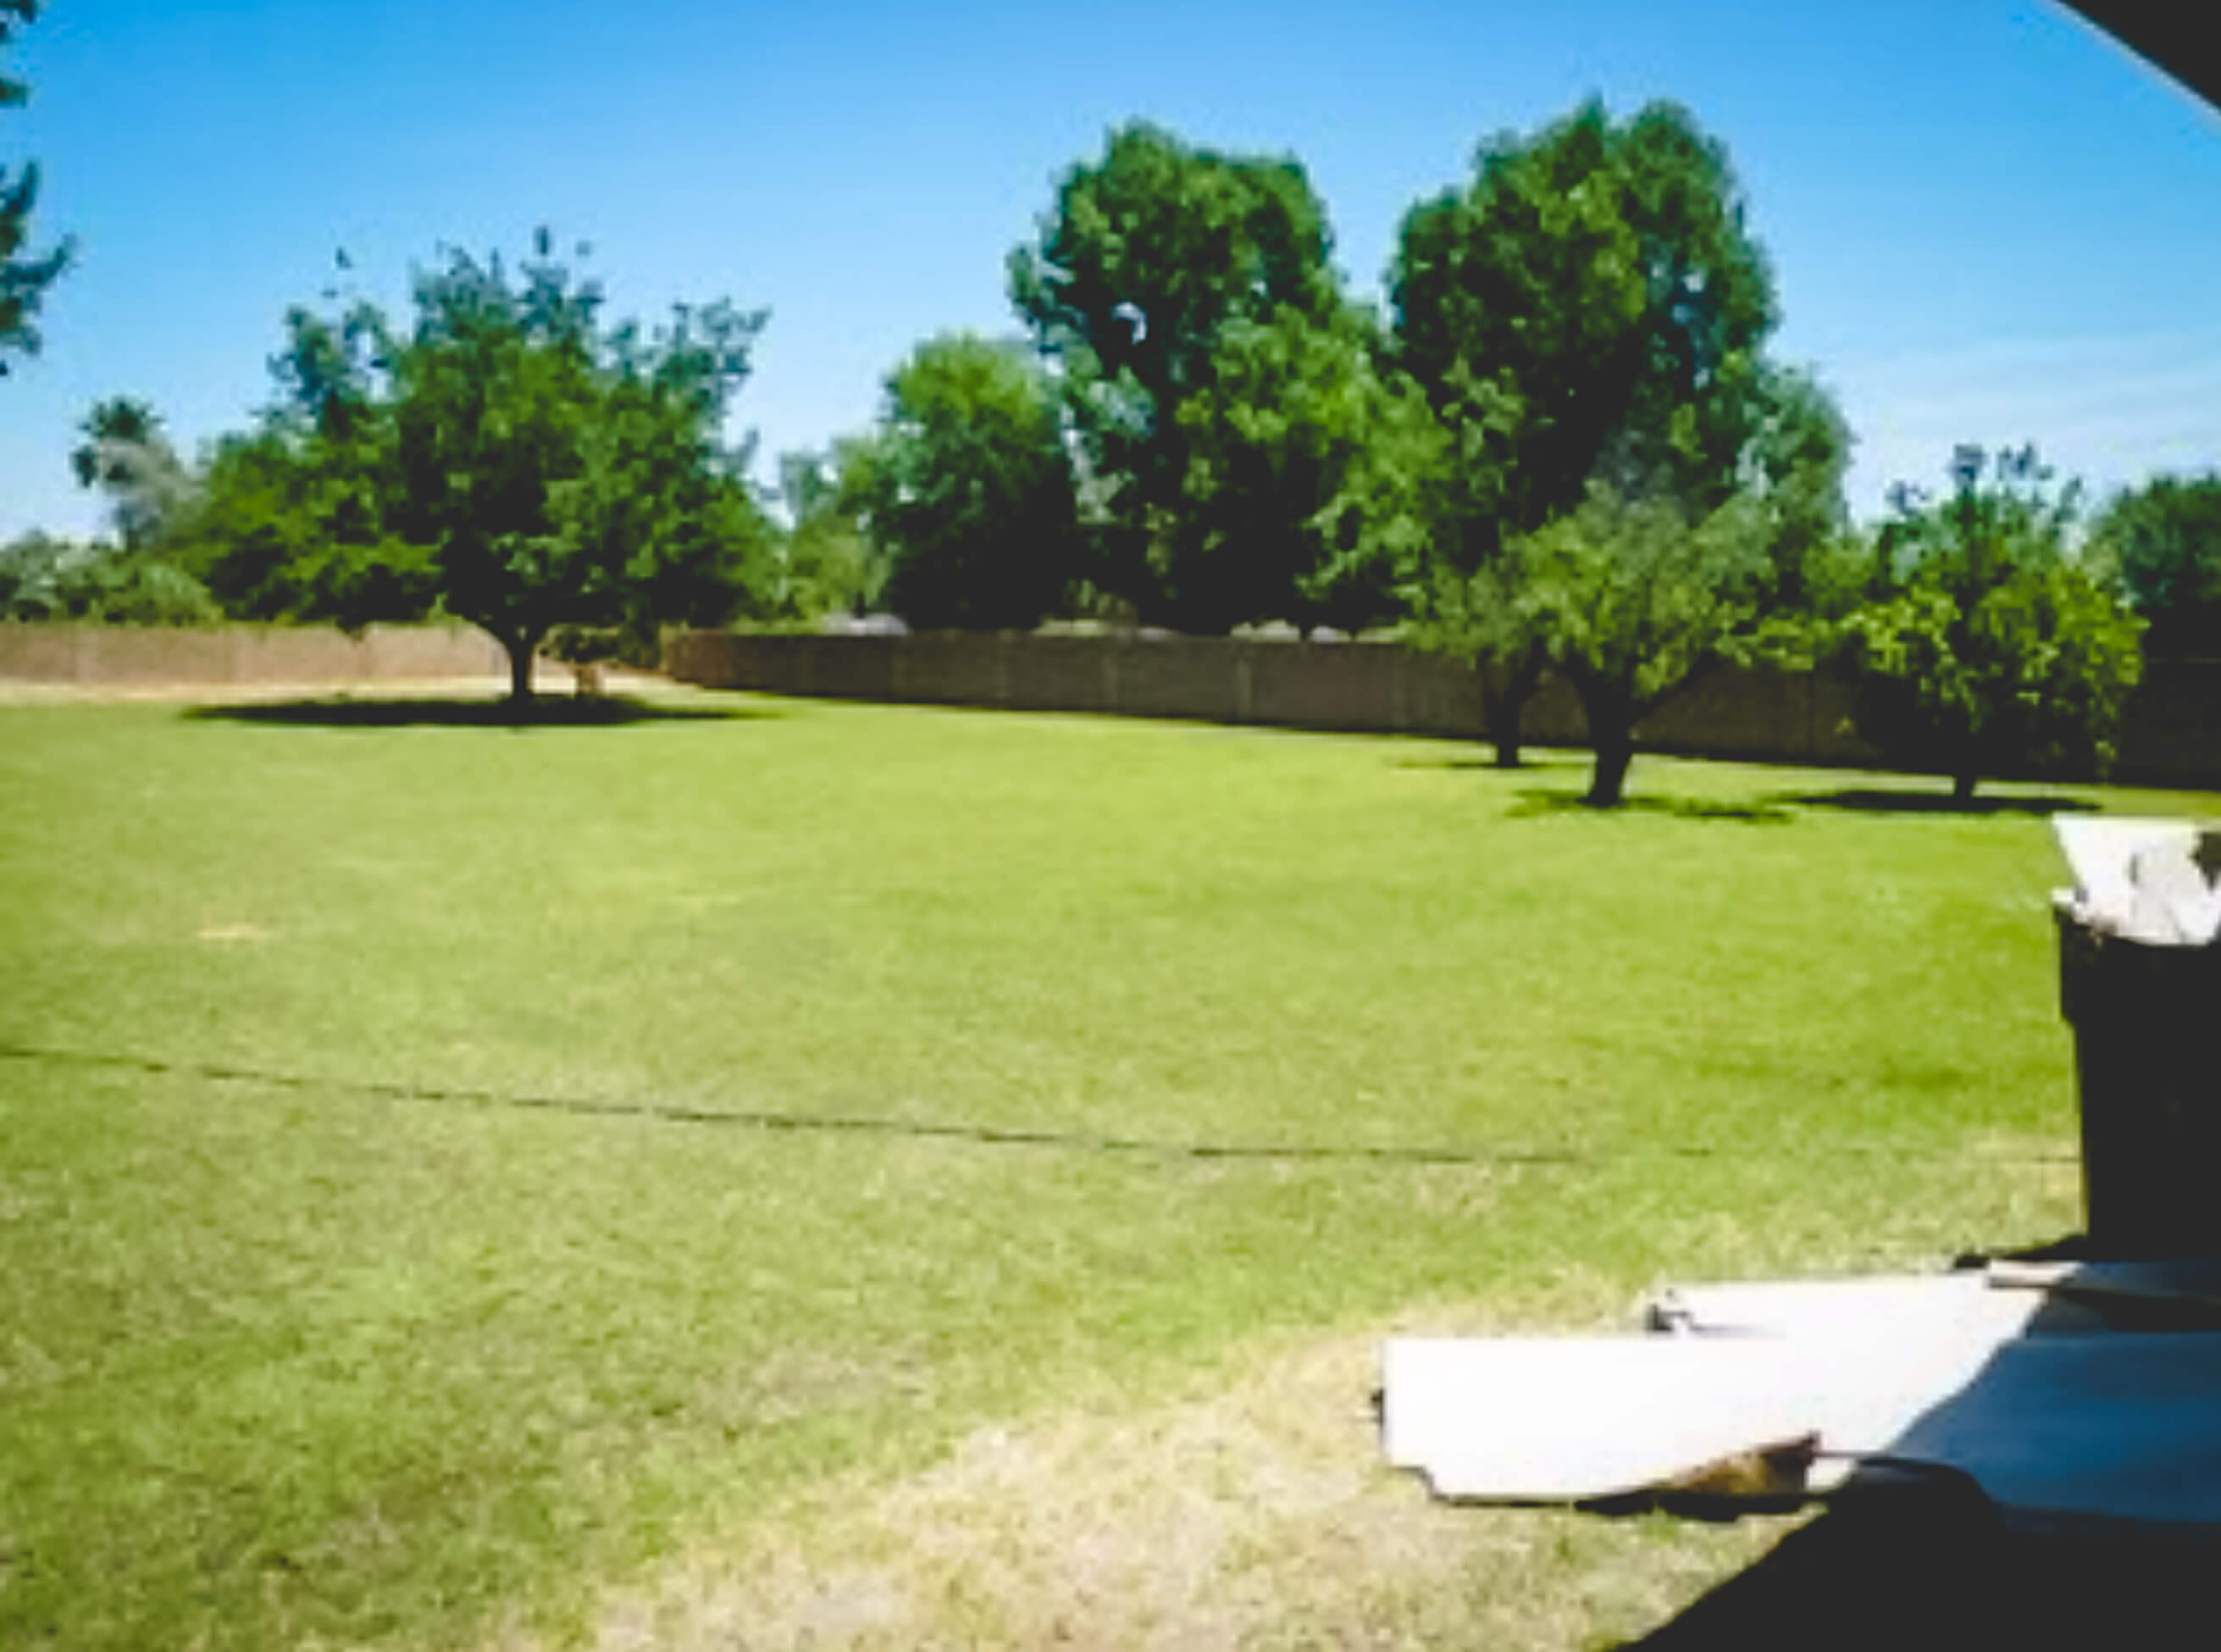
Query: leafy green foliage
(562, 472)
(1158, 264)
(303, 518)
(966, 489)
(132, 589)
(294, 524)
(1633, 601)
(2164, 538)
(508, 458)
(33, 566)
(125, 455)
(42, 578)
(1989, 649)
(24, 276)
(1588, 309)
(1309, 472)
(826, 562)
(142, 578)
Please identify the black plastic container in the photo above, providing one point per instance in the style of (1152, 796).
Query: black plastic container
(2147, 1023)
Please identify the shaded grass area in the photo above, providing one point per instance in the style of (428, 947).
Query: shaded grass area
(472, 711)
(443, 1173)
(1899, 801)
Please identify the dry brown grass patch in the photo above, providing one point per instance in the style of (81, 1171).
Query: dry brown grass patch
(1259, 1516)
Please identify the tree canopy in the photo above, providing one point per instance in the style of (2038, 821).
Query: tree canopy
(1633, 598)
(1589, 311)
(1306, 493)
(1988, 647)
(43, 578)
(967, 490)
(24, 275)
(509, 456)
(1590, 307)
(1154, 262)
(825, 562)
(124, 455)
(562, 471)
(2165, 539)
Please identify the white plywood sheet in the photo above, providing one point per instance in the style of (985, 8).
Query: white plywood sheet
(2059, 1419)
(1547, 1419)
(1929, 1305)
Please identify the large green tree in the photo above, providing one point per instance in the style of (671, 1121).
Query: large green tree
(561, 470)
(24, 275)
(1989, 647)
(1156, 263)
(1589, 309)
(508, 456)
(2165, 539)
(968, 490)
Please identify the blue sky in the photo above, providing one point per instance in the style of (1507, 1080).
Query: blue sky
(1988, 222)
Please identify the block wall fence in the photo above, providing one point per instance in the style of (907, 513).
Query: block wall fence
(95, 656)
(2171, 736)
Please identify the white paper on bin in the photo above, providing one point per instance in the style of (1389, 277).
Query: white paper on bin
(2138, 879)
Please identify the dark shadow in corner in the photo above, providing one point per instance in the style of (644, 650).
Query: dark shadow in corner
(544, 711)
(1871, 802)
(1911, 1565)
(1923, 1571)
(1535, 801)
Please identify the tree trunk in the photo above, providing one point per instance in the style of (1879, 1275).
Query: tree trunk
(1503, 711)
(519, 645)
(1962, 786)
(1608, 707)
(1608, 780)
(1504, 691)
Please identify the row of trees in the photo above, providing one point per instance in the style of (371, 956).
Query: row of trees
(508, 457)
(1563, 447)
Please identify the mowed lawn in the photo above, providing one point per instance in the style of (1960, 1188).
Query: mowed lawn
(448, 1171)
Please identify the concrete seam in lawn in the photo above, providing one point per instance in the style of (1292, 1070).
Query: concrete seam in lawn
(932, 1130)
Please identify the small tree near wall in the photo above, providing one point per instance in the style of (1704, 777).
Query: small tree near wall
(1989, 647)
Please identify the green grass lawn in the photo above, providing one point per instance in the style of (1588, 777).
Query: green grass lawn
(446, 1169)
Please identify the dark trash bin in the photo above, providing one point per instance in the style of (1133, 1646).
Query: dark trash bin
(2146, 1022)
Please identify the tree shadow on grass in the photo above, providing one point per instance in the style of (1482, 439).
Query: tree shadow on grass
(546, 711)
(1535, 801)
(1489, 765)
(1873, 801)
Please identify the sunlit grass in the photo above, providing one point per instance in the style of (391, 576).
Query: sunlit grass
(445, 1167)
